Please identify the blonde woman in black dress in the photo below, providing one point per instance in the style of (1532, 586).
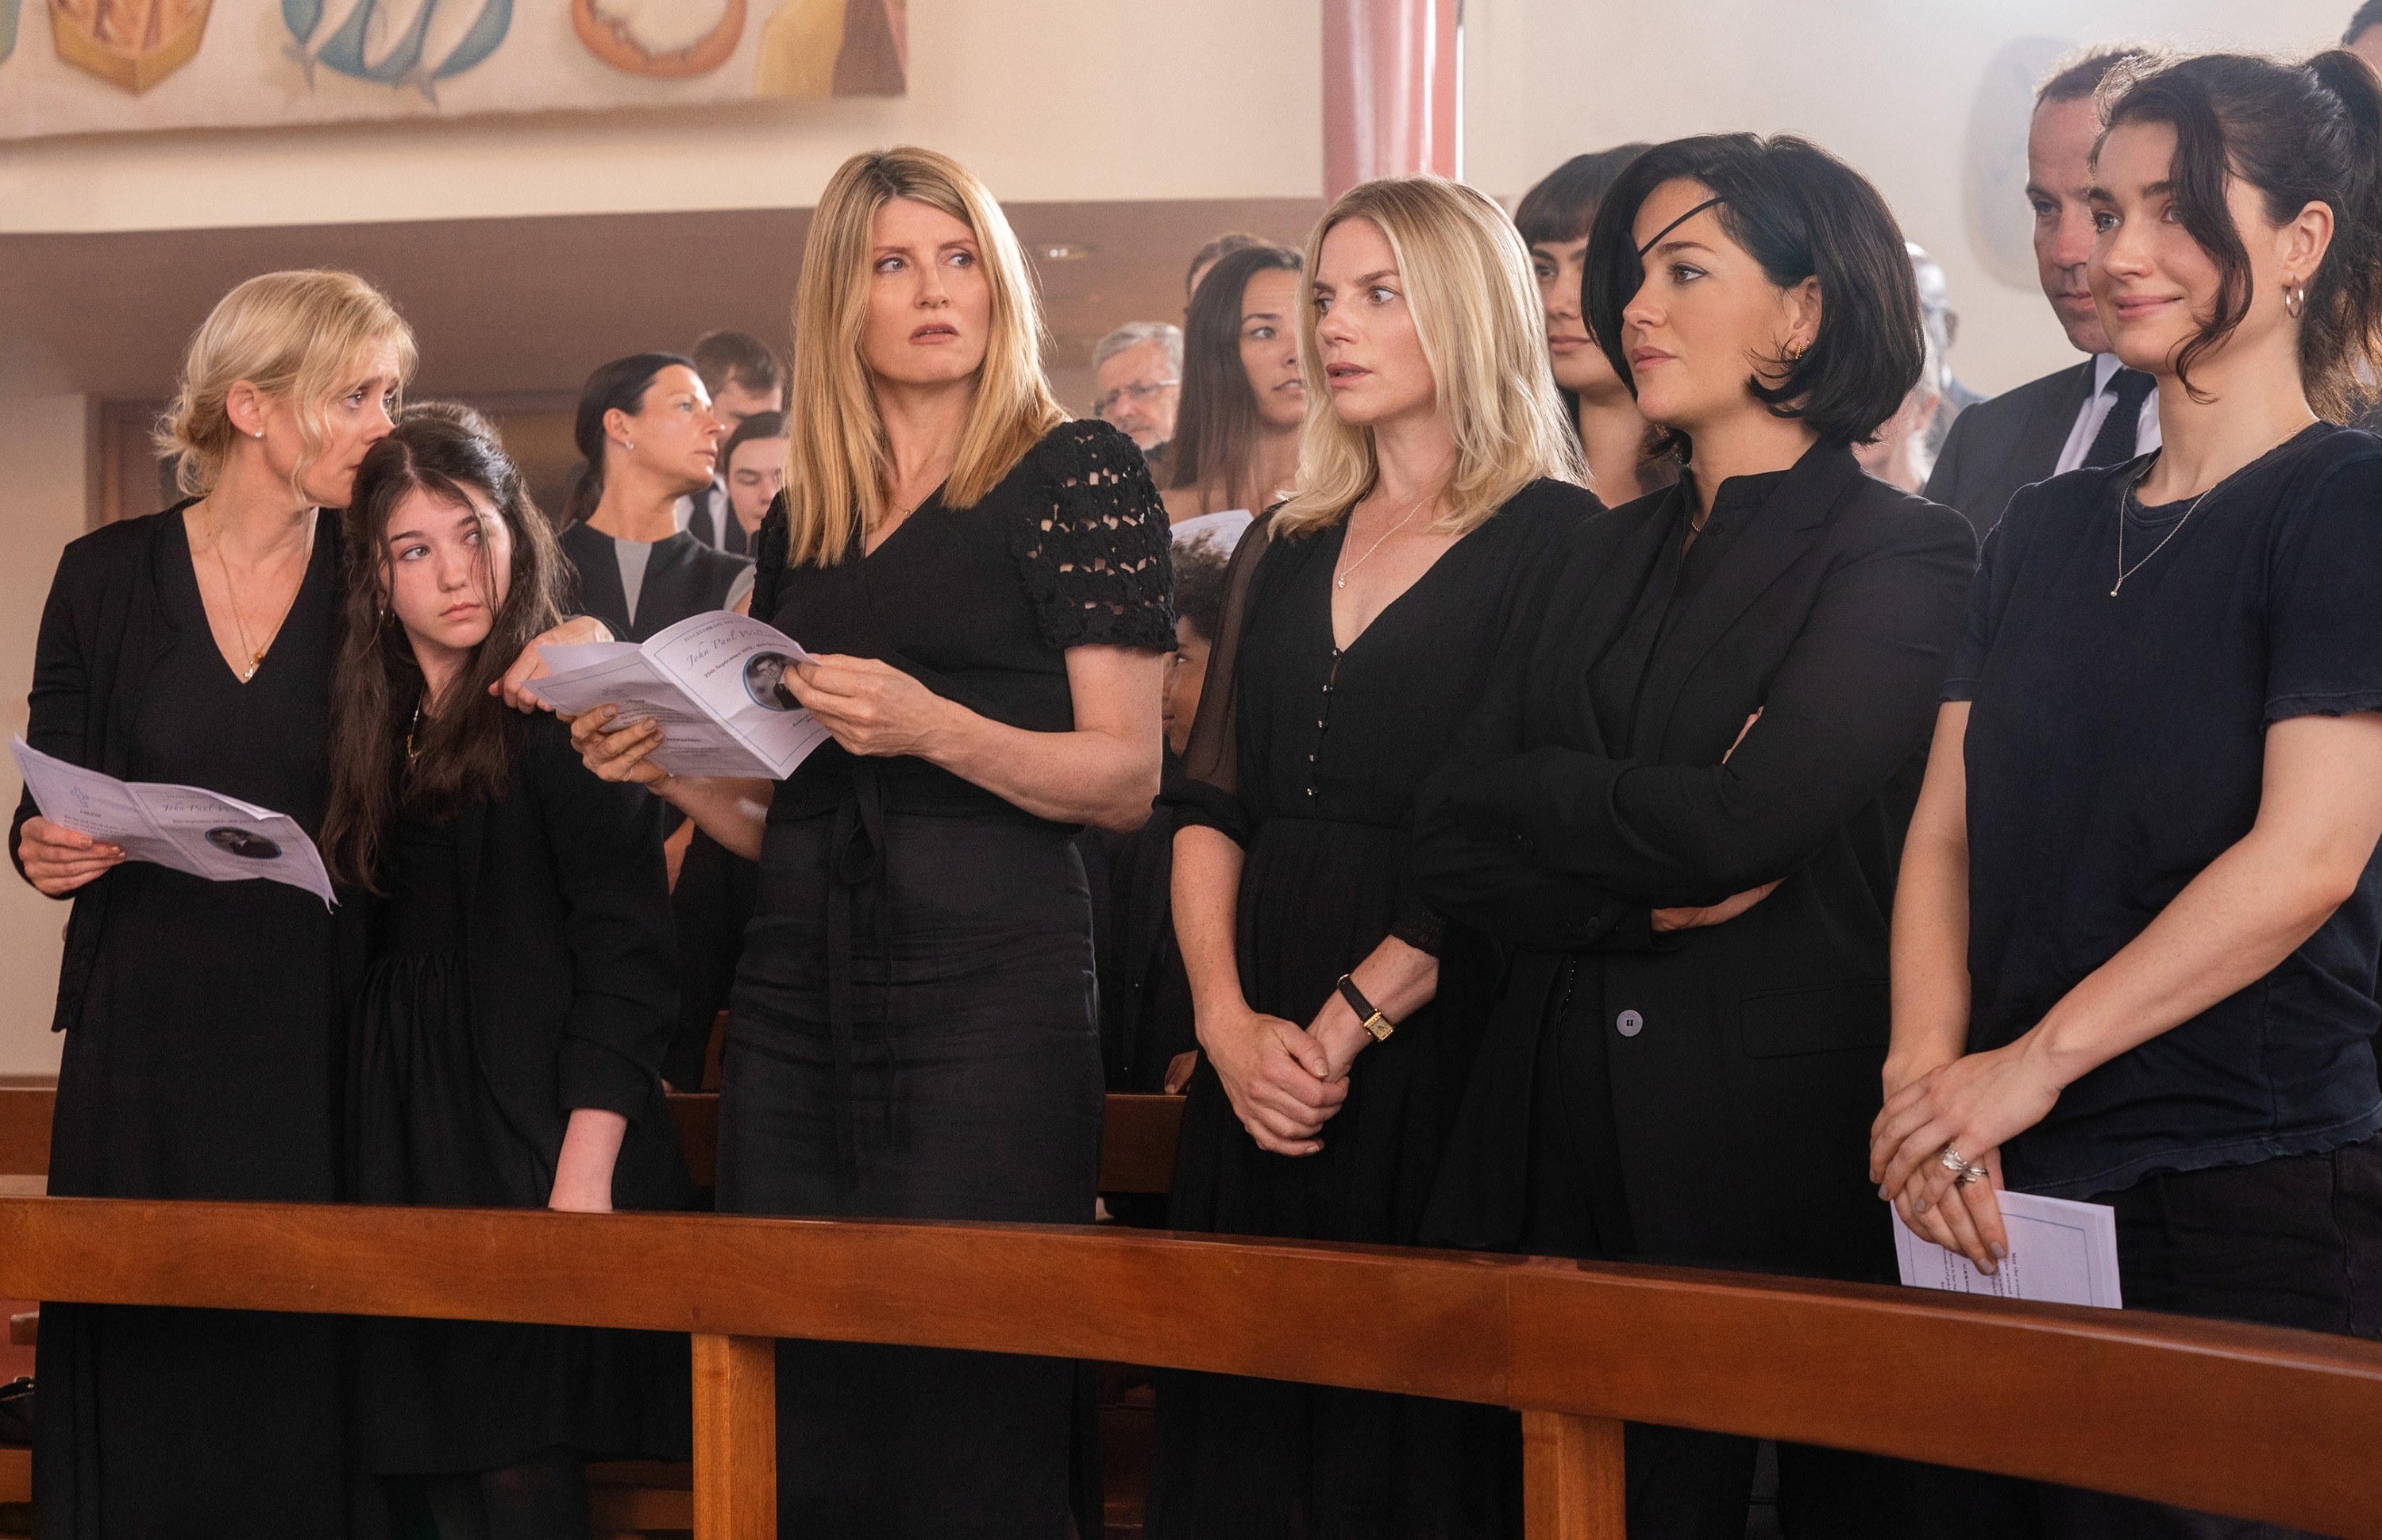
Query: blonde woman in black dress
(984, 586)
(1336, 1013)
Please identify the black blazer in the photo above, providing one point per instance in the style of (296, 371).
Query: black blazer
(2012, 441)
(1744, 1103)
(573, 957)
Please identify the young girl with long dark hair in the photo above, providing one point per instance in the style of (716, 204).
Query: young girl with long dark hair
(521, 988)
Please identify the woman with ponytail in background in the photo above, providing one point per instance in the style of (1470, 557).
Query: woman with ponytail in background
(649, 437)
(2136, 932)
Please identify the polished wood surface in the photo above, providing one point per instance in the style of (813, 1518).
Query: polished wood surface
(1138, 1144)
(25, 1129)
(736, 1469)
(1572, 1478)
(15, 1475)
(2255, 1421)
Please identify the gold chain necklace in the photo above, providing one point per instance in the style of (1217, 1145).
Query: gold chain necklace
(1349, 571)
(232, 597)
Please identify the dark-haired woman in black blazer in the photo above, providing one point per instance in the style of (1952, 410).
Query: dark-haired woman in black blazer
(520, 987)
(1680, 802)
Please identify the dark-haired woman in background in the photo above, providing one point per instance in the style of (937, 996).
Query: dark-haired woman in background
(1624, 457)
(1335, 1014)
(1684, 1064)
(647, 434)
(517, 996)
(2136, 948)
(1243, 397)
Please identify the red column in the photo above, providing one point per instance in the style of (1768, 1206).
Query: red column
(1390, 90)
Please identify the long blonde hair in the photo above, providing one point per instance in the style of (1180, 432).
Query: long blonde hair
(836, 457)
(294, 335)
(1477, 313)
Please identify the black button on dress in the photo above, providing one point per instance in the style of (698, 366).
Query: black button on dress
(205, 1064)
(1331, 747)
(914, 1030)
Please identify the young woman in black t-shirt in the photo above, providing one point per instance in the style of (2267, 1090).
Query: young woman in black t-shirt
(2136, 937)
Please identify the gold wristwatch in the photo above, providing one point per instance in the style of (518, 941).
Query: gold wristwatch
(1377, 1025)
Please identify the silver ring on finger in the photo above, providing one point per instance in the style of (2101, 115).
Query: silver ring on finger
(1969, 1176)
(1950, 1159)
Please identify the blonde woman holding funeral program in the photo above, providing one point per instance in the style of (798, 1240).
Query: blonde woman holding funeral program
(985, 588)
(194, 647)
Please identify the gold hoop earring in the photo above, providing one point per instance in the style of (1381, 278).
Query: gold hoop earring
(2295, 300)
(1795, 351)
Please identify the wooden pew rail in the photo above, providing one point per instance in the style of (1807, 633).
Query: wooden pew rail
(2265, 1423)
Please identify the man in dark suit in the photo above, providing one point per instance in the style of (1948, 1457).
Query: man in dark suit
(2097, 413)
(745, 379)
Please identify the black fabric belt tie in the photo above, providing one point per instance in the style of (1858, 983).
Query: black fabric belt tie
(855, 858)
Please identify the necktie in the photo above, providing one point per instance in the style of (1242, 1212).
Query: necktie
(2114, 444)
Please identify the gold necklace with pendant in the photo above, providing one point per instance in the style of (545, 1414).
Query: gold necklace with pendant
(232, 597)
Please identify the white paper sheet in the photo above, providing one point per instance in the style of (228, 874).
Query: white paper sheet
(203, 833)
(2061, 1252)
(710, 680)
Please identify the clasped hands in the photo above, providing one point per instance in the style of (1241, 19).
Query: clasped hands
(1971, 1106)
(1286, 1082)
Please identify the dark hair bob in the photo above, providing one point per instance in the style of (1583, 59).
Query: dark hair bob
(1801, 212)
(2299, 134)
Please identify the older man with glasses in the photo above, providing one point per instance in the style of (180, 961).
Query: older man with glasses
(1138, 374)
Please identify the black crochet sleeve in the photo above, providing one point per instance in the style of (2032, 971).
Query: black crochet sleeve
(1093, 550)
(769, 546)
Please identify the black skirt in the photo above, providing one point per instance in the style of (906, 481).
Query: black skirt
(436, 1398)
(1246, 1458)
(956, 951)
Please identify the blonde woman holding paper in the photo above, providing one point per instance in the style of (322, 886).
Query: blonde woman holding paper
(985, 588)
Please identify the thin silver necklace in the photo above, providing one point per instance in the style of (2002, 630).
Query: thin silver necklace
(1342, 581)
(2135, 487)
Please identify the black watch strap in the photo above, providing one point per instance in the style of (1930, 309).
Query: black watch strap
(1378, 1026)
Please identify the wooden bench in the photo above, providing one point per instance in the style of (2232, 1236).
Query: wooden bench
(2257, 1422)
(630, 1498)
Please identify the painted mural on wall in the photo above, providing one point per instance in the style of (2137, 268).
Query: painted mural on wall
(80, 67)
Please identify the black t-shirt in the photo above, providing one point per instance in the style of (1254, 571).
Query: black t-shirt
(981, 603)
(2116, 747)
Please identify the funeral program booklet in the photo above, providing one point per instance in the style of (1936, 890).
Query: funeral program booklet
(2061, 1252)
(203, 833)
(711, 681)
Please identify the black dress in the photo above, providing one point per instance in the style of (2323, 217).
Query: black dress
(1331, 746)
(431, 1125)
(202, 1055)
(914, 1031)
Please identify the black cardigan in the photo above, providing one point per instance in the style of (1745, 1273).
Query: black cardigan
(573, 956)
(1744, 1095)
(103, 631)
